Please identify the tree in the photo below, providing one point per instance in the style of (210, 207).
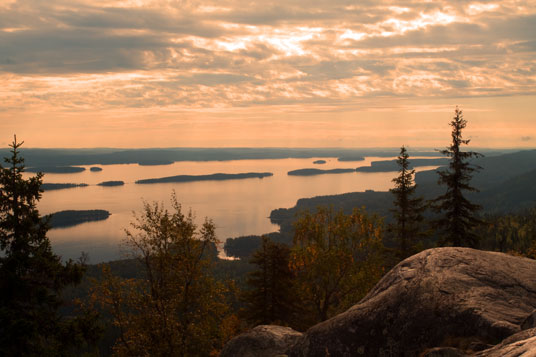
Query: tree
(458, 214)
(408, 211)
(337, 259)
(32, 277)
(270, 299)
(177, 308)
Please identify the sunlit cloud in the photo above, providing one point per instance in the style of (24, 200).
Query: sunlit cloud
(159, 56)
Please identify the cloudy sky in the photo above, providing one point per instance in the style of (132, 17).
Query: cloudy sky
(299, 73)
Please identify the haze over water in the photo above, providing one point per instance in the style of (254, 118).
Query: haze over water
(238, 207)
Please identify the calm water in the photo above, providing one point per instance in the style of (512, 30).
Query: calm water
(238, 207)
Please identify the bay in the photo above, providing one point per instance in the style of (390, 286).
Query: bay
(237, 207)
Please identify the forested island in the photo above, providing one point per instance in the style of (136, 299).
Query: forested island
(313, 172)
(154, 162)
(350, 158)
(391, 165)
(212, 177)
(60, 186)
(70, 218)
(56, 169)
(111, 183)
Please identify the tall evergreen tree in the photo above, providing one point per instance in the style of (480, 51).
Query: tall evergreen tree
(408, 211)
(31, 275)
(458, 213)
(270, 299)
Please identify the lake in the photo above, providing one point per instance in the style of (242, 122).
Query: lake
(237, 207)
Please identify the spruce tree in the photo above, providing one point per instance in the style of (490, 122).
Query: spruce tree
(458, 214)
(408, 211)
(269, 299)
(31, 275)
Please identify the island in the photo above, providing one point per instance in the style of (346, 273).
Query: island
(392, 165)
(56, 169)
(312, 172)
(111, 183)
(351, 158)
(319, 162)
(213, 177)
(70, 218)
(95, 169)
(155, 162)
(60, 186)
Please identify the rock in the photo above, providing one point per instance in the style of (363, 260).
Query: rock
(520, 344)
(451, 297)
(443, 352)
(262, 341)
(529, 322)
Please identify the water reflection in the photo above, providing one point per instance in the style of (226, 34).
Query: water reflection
(238, 207)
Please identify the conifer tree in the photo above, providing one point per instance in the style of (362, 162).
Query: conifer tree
(31, 275)
(270, 299)
(408, 211)
(458, 214)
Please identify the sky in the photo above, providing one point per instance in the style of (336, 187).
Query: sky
(239, 73)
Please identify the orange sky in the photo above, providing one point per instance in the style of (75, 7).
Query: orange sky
(307, 73)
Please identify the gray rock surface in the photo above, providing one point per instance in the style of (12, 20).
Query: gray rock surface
(440, 297)
(520, 344)
(262, 341)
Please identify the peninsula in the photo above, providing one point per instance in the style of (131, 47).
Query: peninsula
(56, 169)
(313, 172)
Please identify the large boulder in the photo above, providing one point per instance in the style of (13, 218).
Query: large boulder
(262, 341)
(457, 297)
(520, 344)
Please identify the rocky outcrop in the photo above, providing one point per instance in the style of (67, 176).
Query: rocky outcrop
(262, 341)
(520, 344)
(457, 297)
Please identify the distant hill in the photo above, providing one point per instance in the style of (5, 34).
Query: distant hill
(506, 182)
(106, 156)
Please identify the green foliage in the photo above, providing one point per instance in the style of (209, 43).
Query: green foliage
(32, 277)
(177, 308)
(337, 259)
(510, 233)
(270, 298)
(458, 218)
(243, 247)
(408, 211)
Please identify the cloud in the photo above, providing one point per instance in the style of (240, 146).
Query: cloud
(526, 138)
(160, 54)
